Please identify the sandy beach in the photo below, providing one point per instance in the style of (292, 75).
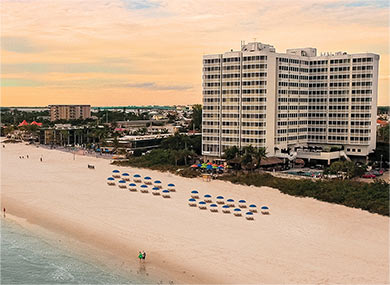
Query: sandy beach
(301, 241)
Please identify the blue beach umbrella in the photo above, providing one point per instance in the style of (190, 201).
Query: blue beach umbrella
(264, 208)
(171, 185)
(209, 167)
(144, 186)
(147, 178)
(157, 182)
(115, 171)
(202, 203)
(213, 205)
(225, 206)
(122, 181)
(199, 165)
(237, 210)
(165, 191)
(249, 213)
(155, 188)
(229, 200)
(242, 201)
(111, 178)
(252, 206)
(220, 197)
(137, 176)
(125, 174)
(192, 200)
(194, 192)
(98, 149)
(207, 196)
(132, 185)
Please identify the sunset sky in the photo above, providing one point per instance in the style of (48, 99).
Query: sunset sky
(141, 52)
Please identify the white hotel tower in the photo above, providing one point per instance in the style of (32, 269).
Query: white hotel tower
(289, 101)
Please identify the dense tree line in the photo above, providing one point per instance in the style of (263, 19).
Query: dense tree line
(372, 197)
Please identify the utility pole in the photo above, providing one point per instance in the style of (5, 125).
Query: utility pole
(380, 165)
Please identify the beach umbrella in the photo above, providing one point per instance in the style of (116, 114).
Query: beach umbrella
(207, 198)
(166, 194)
(192, 202)
(209, 163)
(202, 205)
(98, 149)
(157, 182)
(144, 188)
(132, 185)
(115, 171)
(171, 185)
(136, 176)
(220, 200)
(194, 166)
(253, 208)
(242, 201)
(194, 192)
(264, 210)
(203, 166)
(155, 191)
(229, 200)
(225, 209)
(237, 210)
(215, 167)
(199, 165)
(249, 216)
(122, 183)
(125, 174)
(213, 208)
(209, 167)
(147, 178)
(111, 181)
(221, 166)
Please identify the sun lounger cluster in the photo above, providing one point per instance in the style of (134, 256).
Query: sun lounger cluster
(138, 184)
(226, 206)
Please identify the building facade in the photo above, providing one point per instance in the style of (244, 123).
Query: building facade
(287, 101)
(69, 112)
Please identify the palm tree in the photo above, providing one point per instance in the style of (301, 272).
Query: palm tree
(259, 154)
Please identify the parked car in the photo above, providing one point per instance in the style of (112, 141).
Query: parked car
(368, 175)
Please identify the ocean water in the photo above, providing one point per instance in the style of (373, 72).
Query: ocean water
(28, 259)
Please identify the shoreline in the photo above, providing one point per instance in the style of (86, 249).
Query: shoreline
(214, 248)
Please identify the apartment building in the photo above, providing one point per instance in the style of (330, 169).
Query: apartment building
(287, 101)
(69, 112)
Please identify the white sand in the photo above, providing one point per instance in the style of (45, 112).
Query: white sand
(302, 241)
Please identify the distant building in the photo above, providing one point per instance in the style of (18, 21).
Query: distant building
(69, 112)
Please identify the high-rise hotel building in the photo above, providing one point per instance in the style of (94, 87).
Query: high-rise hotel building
(286, 101)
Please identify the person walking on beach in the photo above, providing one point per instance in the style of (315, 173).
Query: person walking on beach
(4, 212)
(140, 256)
(27, 155)
(144, 255)
(41, 159)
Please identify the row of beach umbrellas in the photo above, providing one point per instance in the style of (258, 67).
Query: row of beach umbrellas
(208, 166)
(226, 206)
(137, 179)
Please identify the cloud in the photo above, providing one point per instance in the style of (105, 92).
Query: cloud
(152, 86)
(19, 82)
(140, 4)
(19, 45)
(37, 67)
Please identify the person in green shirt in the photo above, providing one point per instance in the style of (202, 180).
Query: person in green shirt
(140, 256)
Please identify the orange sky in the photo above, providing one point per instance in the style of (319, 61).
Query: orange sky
(141, 52)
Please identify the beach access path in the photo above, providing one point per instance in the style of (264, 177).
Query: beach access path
(302, 241)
